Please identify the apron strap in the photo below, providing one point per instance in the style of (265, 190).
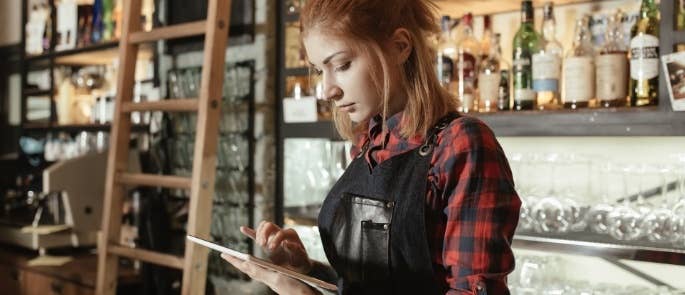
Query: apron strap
(428, 145)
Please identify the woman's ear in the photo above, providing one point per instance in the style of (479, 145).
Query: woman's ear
(402, 44)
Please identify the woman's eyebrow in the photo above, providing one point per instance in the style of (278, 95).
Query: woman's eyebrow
(328, 59)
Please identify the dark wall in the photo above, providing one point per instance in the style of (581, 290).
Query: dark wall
(10, 62)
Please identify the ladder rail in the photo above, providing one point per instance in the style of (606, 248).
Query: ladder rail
(117, 160)
(204, 156)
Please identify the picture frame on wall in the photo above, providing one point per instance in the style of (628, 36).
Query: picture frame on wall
(674, 69)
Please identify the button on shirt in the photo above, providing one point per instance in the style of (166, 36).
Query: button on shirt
(472, 208)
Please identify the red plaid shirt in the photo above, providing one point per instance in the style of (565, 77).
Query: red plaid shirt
(472, 208)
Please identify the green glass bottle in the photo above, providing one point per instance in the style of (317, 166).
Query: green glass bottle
(644, 56)
(680, 22)
(526, 42)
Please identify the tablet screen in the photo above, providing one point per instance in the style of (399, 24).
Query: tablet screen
(264, 263)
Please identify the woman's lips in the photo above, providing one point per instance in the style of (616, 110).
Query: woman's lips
(347, 107)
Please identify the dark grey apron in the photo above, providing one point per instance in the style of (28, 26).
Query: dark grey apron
(372, 224)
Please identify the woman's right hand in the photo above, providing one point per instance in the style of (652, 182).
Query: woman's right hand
(283, 246)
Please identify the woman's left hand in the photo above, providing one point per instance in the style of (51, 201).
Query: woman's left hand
(279, 283)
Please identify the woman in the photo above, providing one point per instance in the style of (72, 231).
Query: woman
(428, 206)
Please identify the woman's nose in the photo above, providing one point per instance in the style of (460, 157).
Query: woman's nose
(330, 90)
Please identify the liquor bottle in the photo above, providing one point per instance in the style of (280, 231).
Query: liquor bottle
(612, 66)
(644, 57)
(447, 55)
(490, 76)
(468, 52)
(547, 64)
(503, 96)
(526, 42)
(108, 20)
(487, 40)
(579, 68)
(98, 24)
(680, 18)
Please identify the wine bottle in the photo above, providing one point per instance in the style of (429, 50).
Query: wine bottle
(489, 77)
(612, 66)
(644, 56)
(447, 54)
(526, 42)
(579, 68)
(468, 52)
(547, 64)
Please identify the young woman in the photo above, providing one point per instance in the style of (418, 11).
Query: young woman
(428, 206)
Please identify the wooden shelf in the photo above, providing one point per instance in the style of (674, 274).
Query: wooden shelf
(98, 54)
(50, 127)
(647, 121)
(37, 92)
(598, 246)
(303, 71)
(484, 7)
(321, 129)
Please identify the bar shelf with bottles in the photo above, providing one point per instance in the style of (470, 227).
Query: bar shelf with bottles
(560, 101)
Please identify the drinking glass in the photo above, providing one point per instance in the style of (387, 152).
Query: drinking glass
(625, 220)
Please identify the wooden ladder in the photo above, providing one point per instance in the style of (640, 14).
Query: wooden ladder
(201, 183)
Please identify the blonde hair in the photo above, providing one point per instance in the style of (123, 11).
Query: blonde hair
(370, 24)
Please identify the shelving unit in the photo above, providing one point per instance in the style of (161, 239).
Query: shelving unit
(660, 120)
(94, 54)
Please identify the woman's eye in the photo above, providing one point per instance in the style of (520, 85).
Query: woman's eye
(316, 71)
(343, 67)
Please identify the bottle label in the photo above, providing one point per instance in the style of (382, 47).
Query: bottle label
(612, 76)
(579, 78)
(466, 67)
(445, 69)
(644, 57)
(489, 86)
(524, 94)
(521, 70)
(546, 72)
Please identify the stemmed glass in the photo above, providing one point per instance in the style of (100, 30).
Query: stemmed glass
(550, 213)
(598, 216)
(657, 222)
(624, 220)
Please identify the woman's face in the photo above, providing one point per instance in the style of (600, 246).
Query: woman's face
(346, 75)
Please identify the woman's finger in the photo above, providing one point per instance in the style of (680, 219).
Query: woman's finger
(251, 233)
(267, 231)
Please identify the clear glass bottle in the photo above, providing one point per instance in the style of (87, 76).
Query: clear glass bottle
(468, 52)
(579, 68)
(489, 77)
(525, 43)
(486, 42)
(446, 59)
(547, 64)
(612, 66)
(644, 56)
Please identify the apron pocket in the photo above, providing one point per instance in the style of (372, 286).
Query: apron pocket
(374, 251)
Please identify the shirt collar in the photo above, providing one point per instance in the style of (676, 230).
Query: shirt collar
(393, 124)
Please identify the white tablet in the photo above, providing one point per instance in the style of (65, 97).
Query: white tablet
(266, 264)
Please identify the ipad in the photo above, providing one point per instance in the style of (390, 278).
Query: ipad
(266, 264)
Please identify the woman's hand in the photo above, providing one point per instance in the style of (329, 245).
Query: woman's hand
(278, 282)
(283, 246)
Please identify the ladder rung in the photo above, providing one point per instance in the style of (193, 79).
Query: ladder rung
(169, 32)
(155, 180)
(169, 105)
(153, 257)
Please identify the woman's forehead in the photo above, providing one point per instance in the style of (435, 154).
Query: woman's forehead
(319, 46)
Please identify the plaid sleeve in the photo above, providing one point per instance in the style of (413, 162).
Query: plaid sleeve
(481, 209)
